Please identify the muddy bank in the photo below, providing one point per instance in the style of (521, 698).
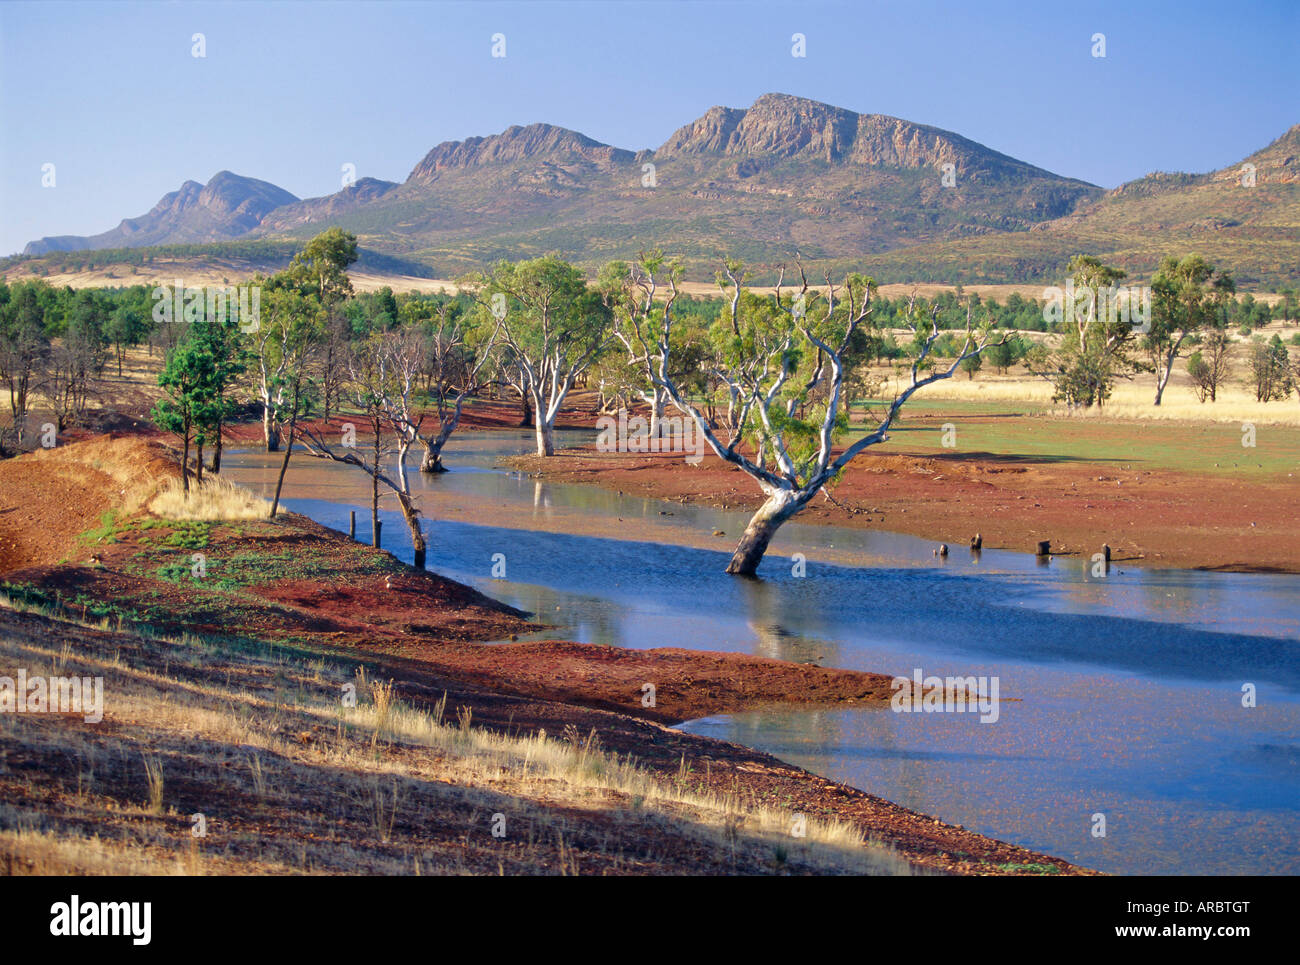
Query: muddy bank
(300, 583)
(1164, 518)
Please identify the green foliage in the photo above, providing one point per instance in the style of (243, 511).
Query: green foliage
(971, 365)
(1270, 369)
(320, 269)
(189, 534)
(196, 381)
(1199, 372)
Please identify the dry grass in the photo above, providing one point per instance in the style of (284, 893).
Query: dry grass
(293, 780)
(213, 499)
(1129, 400)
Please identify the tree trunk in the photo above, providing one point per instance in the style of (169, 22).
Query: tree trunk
(284, 467)
(374, 498)
(1163, 380)
(527, 417)
(198, 464)
(657, 401)
(545, 429)
(216, 451)
(270, 431)
(417, 534)
(185, 463)
(432, 461)
(545, 436)
(780, 506)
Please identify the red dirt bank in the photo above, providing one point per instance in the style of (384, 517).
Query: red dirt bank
(1164, 518)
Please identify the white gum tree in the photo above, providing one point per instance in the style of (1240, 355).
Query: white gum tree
(784, 360)
(552, 327)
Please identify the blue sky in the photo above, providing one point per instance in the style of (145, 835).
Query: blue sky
(289, 92)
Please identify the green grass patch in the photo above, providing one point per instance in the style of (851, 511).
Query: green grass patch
(107, 531)
(1036, 869)
(1137, 444)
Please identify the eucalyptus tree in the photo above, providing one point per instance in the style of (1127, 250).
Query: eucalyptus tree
(1099, 334)
(633, 290)
(553, 326)
(79, 357)
(130, 322)
(786, 355)
(24, 347)
(1187, 298)
(284, 343)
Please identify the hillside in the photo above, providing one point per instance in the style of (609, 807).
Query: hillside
(1254, 231)
(786, 174)
(226, 207)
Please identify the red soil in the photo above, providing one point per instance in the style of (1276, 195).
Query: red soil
(1164, 518)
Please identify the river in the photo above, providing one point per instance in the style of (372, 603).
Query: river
(1121, 695)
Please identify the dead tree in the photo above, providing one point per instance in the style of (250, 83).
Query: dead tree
(382, 374)
(453, 365)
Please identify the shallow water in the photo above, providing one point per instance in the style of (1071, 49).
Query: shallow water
(1120, 695)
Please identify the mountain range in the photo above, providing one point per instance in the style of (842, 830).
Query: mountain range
(786, 175)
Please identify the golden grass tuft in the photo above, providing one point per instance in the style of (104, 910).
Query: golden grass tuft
(213, 499)
(403, 786)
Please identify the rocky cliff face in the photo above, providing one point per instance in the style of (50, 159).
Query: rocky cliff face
(323, 211)
(778, 125)
(536, 142)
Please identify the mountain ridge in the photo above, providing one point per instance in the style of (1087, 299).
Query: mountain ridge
(227, 207)
(785, 174)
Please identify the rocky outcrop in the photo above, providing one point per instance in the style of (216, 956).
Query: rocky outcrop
(534, 142)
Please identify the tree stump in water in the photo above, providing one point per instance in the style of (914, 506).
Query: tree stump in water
(1044, 548)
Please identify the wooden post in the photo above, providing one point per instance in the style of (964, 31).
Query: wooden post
(352, 524)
